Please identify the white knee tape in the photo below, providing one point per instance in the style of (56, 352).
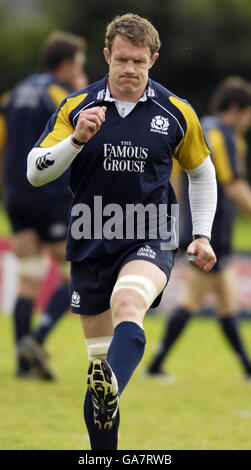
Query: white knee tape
(98, 347)
(141, 284)
(33, 266)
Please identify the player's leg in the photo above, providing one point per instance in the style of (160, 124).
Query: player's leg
(131, 287)
(59, 303)
(107, 379)
(139, 284)
(52, 231)
(102, 425)
(228, 306)
(60, 300)
(31, 268)
(197, 284)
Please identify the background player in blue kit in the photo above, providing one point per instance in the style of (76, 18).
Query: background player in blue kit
(119, 136)
(224, 128)
(38, 217)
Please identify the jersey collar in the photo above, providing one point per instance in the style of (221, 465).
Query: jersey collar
(103, 93)
(108, 97)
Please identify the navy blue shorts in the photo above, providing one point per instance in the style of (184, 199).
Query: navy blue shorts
(49, 219)
(93, 279)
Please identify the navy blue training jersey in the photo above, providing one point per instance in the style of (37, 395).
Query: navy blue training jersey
(23, 117)
(128, 161)
(227, 155)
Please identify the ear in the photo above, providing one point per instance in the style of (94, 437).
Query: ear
(107, 55)
(153, 59)
(65, 63)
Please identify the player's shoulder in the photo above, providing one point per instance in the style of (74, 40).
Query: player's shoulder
(21, 93)
(89, 96)
(56, 89)
(4, 101)
(211, 122)
(40, 87)
(179, 107)
(44, 82)
(36, 79)
(217, 128)
(162, 92)
(92, 93)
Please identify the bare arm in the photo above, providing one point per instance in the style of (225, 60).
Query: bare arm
(239, 192)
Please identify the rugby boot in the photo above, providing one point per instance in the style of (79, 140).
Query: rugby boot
(26, 374)
(103, 387)
(160, 375)
(36, 354)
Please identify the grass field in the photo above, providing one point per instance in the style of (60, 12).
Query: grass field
(209, 407)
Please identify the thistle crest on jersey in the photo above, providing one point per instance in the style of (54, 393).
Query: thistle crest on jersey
(160, 124)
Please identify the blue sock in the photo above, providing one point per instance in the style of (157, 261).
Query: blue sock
(56, 308)
(174, 327)
(126, 351)
(22, 318)
(124, 354)
(99, 439)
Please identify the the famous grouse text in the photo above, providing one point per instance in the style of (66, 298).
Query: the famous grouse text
(125, 157)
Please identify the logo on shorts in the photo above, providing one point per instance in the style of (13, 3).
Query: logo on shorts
(75, 299)
(160, 124)
(146, 251)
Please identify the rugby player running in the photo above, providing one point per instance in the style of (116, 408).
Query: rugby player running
(38, 218)
(116, 279)
(230, 118)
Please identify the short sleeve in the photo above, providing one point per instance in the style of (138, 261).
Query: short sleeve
(3, 132)
(59, 126)
(57, 93)
(224, 156)
(192, 150)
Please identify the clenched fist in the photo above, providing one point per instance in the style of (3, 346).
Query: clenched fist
(201, 254)
(89, 122)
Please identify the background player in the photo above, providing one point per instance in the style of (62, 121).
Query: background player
(114, 279)
(38, 217)
(231, 117)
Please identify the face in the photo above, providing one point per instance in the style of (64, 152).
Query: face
(74, 73)
(128, 68)
(243, 121)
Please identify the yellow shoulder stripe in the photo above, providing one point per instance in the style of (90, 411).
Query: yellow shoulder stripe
(220, 156)
(57, 93)
(63, 127)
(3, 133)
(192, 150)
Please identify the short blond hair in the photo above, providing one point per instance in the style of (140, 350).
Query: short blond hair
(136, 29)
